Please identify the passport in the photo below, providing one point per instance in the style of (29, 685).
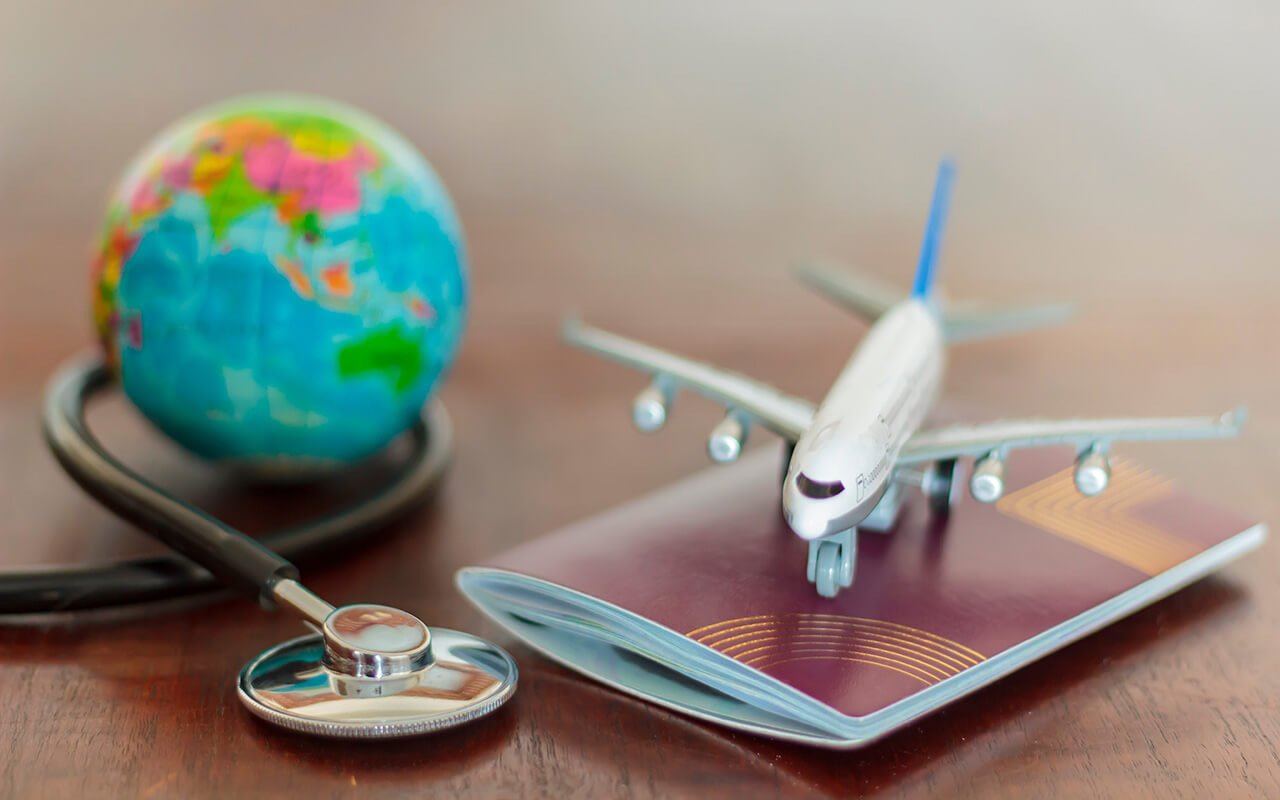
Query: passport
(695, 597)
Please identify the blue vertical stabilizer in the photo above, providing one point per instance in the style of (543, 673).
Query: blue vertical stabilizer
(927, 268)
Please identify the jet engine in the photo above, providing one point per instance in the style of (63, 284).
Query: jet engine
(649, 411)
(987, 482)
(1093, 472)
(727, 438)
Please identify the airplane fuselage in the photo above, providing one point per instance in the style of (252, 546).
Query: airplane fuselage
(843, 463)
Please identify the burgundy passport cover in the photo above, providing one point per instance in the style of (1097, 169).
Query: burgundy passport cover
(710, 558)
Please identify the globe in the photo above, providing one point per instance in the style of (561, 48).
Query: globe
(280, 284)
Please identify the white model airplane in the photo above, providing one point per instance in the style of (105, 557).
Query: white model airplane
(855, 453)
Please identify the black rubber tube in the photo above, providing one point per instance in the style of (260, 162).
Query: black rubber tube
(221, 554)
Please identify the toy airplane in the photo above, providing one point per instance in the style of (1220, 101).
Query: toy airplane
(854, 454)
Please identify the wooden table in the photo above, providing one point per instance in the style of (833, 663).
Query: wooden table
(655, 168)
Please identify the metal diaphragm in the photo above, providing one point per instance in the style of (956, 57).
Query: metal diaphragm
(289, 686)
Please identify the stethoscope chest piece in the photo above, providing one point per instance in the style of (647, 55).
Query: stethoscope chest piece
(298, 686)
(371, 671)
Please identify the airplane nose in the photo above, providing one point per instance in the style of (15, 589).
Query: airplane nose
(813, 518)
(807, 526)
(800, 516)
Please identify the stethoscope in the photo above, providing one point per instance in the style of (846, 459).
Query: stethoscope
(370, 671)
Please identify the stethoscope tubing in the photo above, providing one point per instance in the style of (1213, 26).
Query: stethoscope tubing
(221, 554)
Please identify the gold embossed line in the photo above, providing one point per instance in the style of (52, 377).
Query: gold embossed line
(1104, 523)
(768, 641)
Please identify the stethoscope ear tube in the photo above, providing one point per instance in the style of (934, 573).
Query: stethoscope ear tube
(233, 557)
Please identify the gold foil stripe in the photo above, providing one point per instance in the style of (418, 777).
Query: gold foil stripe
(1114, 501)
(1148, 558)
(1150, 486)
(1129, 496)
(707, 632)
(1127, 481)
(836, 633)
(944, 659)
(1100, 524)
(1065, 498)
(1137, 532)
(1151, 549)
(921, 648)
(770, 659)
(780, 653)
(847, 658)
(1069, 513)
(1135, 557)
(1061, 496)
(1140, 556)
(887, 647)
(924, 645)
(895, 656)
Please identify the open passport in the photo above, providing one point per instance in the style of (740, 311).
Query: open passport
(695, 597)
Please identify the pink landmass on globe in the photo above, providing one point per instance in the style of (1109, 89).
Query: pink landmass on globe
(145, 200)
(329, 187)
(177, 173)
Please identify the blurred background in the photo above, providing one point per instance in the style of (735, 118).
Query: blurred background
(1106, 152)
(655, 167)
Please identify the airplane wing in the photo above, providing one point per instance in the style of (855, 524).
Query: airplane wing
(981, 439)
(781, 413)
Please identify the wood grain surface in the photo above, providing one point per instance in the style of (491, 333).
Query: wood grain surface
(655, 167)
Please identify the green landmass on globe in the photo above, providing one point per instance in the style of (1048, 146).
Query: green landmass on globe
(280, 283)
(387, 352)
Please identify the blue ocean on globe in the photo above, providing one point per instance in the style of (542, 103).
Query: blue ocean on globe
(281, 284)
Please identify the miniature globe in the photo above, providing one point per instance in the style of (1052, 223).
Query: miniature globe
(280, 284)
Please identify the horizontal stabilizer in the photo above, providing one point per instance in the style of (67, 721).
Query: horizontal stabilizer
(865, 296)
(961, 322)
(966, 323)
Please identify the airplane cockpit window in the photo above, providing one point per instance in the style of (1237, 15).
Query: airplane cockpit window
(818, 490)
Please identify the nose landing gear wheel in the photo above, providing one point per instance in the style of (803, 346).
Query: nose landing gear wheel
(831, 562)
(828, 569)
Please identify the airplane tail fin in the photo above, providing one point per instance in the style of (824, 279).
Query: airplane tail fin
(926, 270)
(974, 322)
(961, 322)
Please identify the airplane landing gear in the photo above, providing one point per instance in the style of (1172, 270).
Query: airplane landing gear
(885, 515)
(941, 484)
(831, 562)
